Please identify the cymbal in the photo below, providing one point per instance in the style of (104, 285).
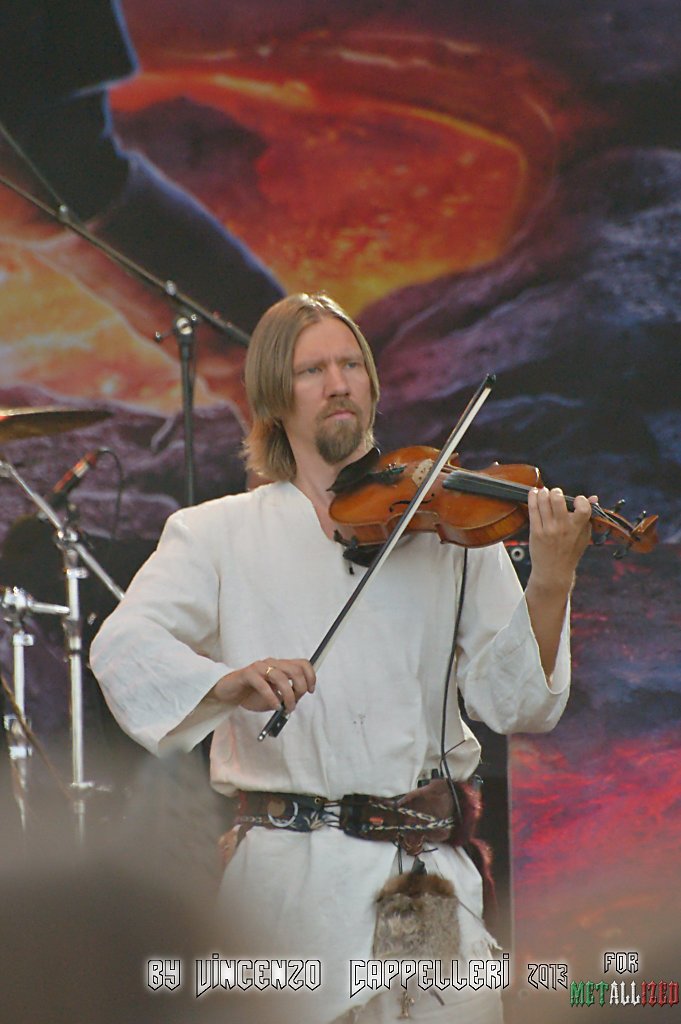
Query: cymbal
(17, 424)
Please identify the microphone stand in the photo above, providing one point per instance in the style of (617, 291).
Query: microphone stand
(190, 312)
(183, 330)
(74, 552)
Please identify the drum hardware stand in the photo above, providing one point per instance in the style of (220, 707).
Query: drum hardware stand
(15, 605)
(74, 553)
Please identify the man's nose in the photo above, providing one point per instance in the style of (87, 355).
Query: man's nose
(336, 380)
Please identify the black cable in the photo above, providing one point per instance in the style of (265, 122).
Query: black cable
(450, 662)
(113, 529)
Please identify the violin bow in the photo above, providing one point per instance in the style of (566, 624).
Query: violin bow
(278, 720)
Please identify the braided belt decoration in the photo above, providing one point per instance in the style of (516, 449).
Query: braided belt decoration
(411, 821)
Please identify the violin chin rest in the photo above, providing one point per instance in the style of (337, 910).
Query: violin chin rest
(353, 474)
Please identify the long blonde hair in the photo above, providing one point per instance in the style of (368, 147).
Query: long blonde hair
(269, 378)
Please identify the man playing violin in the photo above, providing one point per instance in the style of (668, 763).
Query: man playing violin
(215, 634)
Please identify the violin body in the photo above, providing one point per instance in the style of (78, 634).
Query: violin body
(465, 507)
(369, 514)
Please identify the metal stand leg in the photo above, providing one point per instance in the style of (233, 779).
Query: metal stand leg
(74, 644)
(15, 604)
(18, 742)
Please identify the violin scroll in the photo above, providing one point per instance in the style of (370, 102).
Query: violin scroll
(640, 536)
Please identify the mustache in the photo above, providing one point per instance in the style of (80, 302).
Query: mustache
(339, 405)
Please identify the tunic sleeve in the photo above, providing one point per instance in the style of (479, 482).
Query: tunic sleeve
(157, 655)
(499, 670)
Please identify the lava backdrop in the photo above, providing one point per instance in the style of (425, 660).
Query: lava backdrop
(485, 186)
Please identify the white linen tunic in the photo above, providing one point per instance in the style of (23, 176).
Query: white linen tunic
(253, 576)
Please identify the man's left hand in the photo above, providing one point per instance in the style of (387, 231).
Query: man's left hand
(558, 537)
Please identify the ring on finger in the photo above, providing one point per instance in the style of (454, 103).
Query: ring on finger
(269, 669)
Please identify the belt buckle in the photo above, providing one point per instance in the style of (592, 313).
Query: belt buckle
(278, 821)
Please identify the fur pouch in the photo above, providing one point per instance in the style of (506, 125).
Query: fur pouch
(416, 919)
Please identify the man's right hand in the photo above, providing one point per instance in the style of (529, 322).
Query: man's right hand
(265, 685)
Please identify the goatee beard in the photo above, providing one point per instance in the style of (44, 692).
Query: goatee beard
(337, 440)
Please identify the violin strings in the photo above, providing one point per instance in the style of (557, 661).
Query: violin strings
(491, 487)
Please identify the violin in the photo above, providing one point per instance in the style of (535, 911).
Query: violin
(472, 508)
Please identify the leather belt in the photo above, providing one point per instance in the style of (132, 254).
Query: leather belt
(426, 815)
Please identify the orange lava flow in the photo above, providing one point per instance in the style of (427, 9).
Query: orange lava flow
(60, 338)
(386, 163)
(379, 161)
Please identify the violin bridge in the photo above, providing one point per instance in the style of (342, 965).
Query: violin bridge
(421, 471)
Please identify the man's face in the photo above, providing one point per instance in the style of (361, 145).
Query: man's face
(331, 393)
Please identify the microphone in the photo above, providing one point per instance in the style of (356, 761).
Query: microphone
(70, 480)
